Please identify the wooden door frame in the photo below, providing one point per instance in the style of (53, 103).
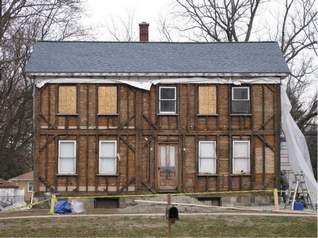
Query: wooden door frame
(176, 144)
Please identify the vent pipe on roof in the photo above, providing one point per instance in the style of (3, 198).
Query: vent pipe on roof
(143, 32)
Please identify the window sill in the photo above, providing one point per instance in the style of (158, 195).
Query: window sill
(107, 175)
(240, 114)
(111, 114)
(67, 114)
(207, 175)
(208, 115)
(70, 175)
(167, 114)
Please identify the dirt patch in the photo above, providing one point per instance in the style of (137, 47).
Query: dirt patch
(136, 207)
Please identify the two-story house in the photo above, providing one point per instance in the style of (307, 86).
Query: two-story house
(120, 117)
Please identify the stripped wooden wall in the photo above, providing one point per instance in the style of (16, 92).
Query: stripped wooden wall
(139, 129)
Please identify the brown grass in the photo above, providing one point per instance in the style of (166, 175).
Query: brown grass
(194, 226)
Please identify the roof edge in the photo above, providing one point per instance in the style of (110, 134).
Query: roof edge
(159, 42)
(234, 74)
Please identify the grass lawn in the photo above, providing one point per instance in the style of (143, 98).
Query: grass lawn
(195, 226)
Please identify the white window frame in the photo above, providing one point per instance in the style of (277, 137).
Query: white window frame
(99, 157)
(59, 157)
(249, 156)
(248, 94)
(175, 99)
(214, 158)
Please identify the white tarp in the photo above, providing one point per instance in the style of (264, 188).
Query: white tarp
(146, 84)
(298, 153)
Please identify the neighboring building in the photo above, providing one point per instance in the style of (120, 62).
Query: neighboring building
(25, 181)
(10, 194)
(210, 121)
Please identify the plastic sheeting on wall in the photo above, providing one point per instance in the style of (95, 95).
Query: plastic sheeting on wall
(146, 84)
(298, 153)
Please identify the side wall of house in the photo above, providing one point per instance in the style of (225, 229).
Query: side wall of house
(139, 129)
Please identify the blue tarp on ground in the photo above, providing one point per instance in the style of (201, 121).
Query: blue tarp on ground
(62, 207)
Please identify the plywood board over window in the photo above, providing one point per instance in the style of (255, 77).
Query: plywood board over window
(67, 99)
(107, 100)
(207, 100)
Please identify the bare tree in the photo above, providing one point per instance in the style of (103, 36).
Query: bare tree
(123, 28)
(215, 20)
(22, 22)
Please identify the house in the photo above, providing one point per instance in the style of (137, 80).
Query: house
(131, 117)
(25, 182)
(10, 194)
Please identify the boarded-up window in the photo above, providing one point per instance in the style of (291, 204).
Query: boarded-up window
(207, 100)
(107, 100)
(67, 99)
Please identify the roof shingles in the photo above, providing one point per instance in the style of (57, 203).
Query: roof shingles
(156, 57)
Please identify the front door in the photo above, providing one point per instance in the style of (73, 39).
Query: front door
(167, 167)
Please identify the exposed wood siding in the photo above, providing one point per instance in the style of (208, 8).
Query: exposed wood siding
(139, 129)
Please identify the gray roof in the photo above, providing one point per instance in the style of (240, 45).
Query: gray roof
(156, 57)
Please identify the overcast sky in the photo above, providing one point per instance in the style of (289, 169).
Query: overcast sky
(101, 13)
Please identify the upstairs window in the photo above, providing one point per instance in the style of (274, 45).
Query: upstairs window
(241, 157)
(207, 100)
(67, 100)
(107, 100)
(107, 157)
(167, 100)
(207, 157)
(67, 157)
(240, 100)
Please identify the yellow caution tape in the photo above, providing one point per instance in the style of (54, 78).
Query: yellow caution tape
(172, 194)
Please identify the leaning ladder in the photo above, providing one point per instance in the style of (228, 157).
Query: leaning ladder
(299, 187)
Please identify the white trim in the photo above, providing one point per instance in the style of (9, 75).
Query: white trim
(249, 154)
(248, 94)
(75, 157)
(99, 155)
(214, 157)
(174, 99)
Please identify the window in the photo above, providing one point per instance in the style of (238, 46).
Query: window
(107, 100)
(30, 187)
(241, 157)
(167, 100)
(167, 157)
(67, 157)
(207, 157)
(207, 100)
(67, 99)
(107, 157)
(240, 100)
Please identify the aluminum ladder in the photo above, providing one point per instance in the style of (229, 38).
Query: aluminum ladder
(299, 189)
